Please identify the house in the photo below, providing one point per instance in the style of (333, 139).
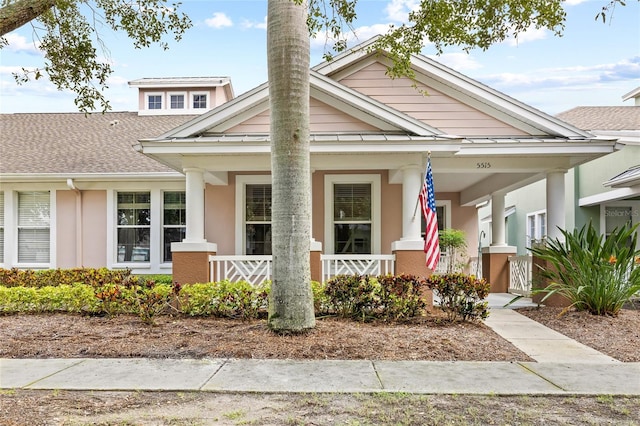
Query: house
(604, 191)
(199, 186)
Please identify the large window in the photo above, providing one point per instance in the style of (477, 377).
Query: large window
(536, 227)
(173, 221)
(34, 227)
(134, 226)
(352, 218)
(352, 214)
(1, 227)
(257, 221)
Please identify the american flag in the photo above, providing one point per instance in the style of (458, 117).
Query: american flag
(428, 203)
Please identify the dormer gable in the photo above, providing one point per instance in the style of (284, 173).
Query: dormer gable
(181, 95)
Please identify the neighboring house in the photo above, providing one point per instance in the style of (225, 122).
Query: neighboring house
(604, 191)
(370, 137)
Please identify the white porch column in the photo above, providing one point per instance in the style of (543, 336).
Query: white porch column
(195, 206)
(411, 213)
(555, 204)
(411, 185)
(497, 220)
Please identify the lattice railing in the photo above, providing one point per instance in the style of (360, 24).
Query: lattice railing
(366, 264)
(256, 269)
(252, 269)
(520, 275)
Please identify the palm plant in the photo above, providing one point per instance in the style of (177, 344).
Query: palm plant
(594, 273)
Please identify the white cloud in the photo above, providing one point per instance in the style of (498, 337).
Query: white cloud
(574, 2)
(18, 43)
(458, 61)
(219, 20)
(255, 24)
(398, 10)
(529, 35)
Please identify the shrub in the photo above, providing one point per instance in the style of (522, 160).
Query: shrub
(54, 277)
(76, 298)
(353, 296)
(594, 273)
(224, 299)
(402, 296)
(461, 295)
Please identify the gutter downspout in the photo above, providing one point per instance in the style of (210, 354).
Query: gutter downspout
(79, 248)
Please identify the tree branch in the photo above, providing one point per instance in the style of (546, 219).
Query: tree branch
(16, 14)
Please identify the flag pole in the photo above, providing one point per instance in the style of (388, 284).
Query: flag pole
(415, 209)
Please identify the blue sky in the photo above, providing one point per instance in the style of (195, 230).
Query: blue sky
(592, 64)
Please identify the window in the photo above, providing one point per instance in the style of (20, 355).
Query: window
(134, 226)
(442, 211)
(173, 222)
(33, 227)
(618, 214)
(257, 219)
(536, 227)
(177, 101)
(352, 214)
(154, 101)
(352, 218)
(1, 227)
(199, 101)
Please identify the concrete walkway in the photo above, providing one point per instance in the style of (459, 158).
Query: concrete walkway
(564, 367)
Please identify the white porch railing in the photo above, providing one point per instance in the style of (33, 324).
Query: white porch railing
(256, 269)
(520, 272)
(252, 269)
(366, 264)
(473, 266)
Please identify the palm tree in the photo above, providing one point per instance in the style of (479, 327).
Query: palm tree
(291, 299)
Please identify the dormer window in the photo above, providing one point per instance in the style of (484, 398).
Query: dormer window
(154, 101)
(177, 101)
(200, 101)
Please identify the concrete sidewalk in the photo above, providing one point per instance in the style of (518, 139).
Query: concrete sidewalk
(564, 367)
(249, 375)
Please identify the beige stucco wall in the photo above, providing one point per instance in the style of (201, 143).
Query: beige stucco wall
(220, 224)
(92, 228)
(94, 233)
(66, 247)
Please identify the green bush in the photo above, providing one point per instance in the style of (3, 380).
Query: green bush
(224, 299)
(76, 298)
(365, 297)
(594, 273)
(402, 296)
(461, 295)
(353, 296)
(54, 277)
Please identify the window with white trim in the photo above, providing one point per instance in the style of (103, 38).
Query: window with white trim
(133, 226)
(352, 218)
(619, 214)
(176, 101)
(257, 220)
(1, 227)
(174, 223)
(154, 101)
(200, 101)
(536, 227)
(352, 214)
(442, 213)
(34, 221)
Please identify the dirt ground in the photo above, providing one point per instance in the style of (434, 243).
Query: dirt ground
(430, 338)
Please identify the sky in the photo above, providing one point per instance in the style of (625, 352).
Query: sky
(593, 63)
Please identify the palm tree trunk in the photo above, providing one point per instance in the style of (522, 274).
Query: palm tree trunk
(291, 300)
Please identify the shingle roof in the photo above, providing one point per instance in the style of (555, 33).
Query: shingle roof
(603, 117)
(75, 143)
